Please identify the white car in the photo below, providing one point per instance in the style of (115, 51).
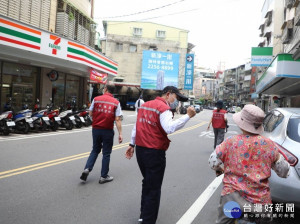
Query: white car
(282, 125)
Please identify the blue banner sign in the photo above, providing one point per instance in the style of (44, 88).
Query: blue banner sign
(159, 69)
(189, 71)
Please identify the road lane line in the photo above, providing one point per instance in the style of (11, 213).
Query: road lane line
(196, 208)
(38, 135)
(50, 163)
(56, 161)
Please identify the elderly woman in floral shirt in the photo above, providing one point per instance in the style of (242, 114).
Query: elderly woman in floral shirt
(246, 161)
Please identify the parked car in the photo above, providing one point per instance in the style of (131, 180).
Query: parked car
(130, 104)
(282, 125)
(197, 108)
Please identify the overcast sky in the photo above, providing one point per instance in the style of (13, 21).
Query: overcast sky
(222, 30)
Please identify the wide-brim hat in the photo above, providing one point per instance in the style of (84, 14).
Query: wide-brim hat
(250, 119)
(173, 89)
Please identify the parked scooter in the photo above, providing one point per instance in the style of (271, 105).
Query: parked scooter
(40, 120)
(6, 122)
(84, 113)
(23, 120)
(67, 118)
(54, 119)
(79, 120)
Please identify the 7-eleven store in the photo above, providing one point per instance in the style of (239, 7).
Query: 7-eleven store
(38, 64)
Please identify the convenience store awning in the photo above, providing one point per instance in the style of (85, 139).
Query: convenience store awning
(27, 44)
(281, 78)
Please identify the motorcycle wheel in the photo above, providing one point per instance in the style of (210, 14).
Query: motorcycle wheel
(54, 126)
(68, 124)
(78, 123)
(5, 130)
(26, 128)
(88, 121)
(44, 126)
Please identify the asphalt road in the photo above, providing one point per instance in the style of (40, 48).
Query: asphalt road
(39, 178)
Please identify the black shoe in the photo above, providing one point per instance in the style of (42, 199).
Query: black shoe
(84, 175)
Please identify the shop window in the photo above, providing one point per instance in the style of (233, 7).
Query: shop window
(72, 88)
(20, 83)
(58, 90)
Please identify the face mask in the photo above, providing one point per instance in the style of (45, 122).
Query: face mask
(174, 104)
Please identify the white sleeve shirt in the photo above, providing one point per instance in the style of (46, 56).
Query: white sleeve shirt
(168, 124)
(118, 110)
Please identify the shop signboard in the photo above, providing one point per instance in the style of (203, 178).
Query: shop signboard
(25, 37)
(261, 56)
(189, 72)
(282, 66)
(98, 77)
(159, 69)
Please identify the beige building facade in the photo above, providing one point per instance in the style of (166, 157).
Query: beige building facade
(125, 42)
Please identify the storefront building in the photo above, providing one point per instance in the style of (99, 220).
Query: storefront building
(279, 85)
(38, 64)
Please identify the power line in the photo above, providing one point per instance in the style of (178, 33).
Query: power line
(180, 12)
(145, 11)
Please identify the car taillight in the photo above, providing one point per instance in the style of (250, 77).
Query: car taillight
(292, 159)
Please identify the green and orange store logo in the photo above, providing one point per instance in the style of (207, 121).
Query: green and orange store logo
(55, 44)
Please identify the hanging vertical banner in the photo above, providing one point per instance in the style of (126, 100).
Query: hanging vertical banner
(98, 77)
(189, 72)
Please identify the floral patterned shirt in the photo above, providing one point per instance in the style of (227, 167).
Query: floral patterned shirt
(247, 166)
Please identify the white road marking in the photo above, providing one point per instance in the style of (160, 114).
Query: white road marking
(196, 208)
(47, 134)
(208, 134)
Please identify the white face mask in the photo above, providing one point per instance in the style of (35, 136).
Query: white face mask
(174, 104)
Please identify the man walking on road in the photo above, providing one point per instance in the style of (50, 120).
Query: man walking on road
(105, 109)
(154, 123)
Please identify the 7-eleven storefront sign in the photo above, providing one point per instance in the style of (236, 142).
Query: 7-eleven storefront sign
(22, 36)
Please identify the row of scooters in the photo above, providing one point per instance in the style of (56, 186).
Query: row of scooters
(41, 120)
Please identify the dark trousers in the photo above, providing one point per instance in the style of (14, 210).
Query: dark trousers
(102, 138)
(152, 163)
(219, 136)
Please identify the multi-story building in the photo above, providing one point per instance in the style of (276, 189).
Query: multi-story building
(243, 84)
(125, 41)
(278, 85)
(204, 83)
(47, 51)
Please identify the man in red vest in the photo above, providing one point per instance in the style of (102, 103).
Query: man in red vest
(150, 135)
(219, 122)
(105, 109)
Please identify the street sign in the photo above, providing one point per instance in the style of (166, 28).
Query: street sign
(189, 72)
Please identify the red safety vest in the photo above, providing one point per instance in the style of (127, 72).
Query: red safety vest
(218, 119)
(149, 132)
(104, 111)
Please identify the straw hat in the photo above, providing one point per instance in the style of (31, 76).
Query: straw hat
(250, 119)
